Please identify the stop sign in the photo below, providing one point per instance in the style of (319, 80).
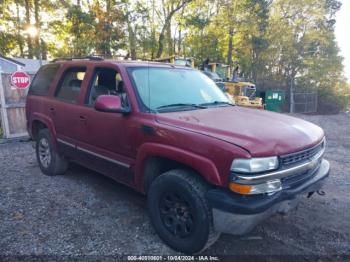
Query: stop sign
(20, 80)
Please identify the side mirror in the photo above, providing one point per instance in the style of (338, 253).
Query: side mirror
(109, 103)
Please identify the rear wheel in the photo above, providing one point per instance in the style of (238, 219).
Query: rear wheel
(50, 162)
(180, 212)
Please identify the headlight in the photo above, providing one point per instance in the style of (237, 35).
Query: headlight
(254, 165)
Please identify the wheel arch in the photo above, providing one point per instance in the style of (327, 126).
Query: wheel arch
(40, 121)
(155, 159)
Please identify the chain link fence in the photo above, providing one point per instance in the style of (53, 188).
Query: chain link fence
(305, 101)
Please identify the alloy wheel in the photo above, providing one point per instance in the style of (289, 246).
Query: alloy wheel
(44, 152)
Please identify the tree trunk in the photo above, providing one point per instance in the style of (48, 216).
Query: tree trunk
(161, 43)
(29, 40)
(154, 42)
(132, 41)
(230, 47)
(19, 36)
(179, 42)
(107, 44)
(37, 24)
(169, 39)
(153, 31)
(43, 49)
(167, 24)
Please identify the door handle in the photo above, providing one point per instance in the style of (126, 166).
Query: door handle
(52, 110)
(82, 118)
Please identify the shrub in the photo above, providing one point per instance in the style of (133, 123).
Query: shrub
(334, 100)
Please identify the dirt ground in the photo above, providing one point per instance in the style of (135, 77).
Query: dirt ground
(84, 213)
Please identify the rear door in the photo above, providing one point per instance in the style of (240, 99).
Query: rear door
(63, 108)
(38, 93)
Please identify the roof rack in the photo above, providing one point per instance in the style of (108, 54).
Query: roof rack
(91, 58)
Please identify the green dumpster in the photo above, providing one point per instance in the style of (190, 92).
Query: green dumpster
(274, 100)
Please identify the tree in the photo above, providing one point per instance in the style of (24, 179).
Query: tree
(28, 23)
(136, 15)
(170, 7)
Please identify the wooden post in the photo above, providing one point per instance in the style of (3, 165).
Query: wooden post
(4, 118)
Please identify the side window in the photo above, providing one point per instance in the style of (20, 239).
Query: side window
(42, 80)
(106, 81)
(70, 85)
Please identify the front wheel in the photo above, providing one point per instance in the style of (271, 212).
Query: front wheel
(180, 212)
(50, 161)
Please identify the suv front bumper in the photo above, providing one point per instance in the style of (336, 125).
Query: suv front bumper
(238, 215)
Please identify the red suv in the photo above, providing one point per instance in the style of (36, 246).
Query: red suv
(206, 165)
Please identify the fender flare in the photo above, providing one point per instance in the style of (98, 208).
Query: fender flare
(205, 167)
(48, 122)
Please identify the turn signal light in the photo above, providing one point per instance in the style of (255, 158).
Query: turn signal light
(266, 187)
(240, 189)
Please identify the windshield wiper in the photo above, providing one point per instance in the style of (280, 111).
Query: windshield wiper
(201, 106)
(217, 103)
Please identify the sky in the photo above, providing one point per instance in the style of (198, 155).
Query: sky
(342, 32)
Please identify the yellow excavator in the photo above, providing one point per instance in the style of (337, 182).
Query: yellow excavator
(241, 92)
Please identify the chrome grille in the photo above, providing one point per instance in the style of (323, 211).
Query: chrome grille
(298, 179)
(298, 157)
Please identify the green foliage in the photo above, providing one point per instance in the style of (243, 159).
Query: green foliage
(80, 27)
(333, 100)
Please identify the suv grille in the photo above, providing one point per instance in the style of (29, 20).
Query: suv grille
(301, 156)
(297, 179)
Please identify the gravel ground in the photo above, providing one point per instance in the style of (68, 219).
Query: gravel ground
(84, 213)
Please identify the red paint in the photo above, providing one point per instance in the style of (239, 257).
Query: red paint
(20, 80)
(262, 133)
(207, 140)
(108, 103)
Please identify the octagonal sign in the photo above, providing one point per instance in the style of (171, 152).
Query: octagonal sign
(20, 80)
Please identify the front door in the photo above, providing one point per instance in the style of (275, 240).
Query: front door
(105, 139)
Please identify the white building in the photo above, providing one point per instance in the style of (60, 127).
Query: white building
(9, 65)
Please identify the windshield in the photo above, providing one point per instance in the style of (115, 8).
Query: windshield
(249, 91)
(161, 87)
(221, 72)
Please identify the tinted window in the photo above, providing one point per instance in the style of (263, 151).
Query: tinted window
(42, 80)
(69, 87)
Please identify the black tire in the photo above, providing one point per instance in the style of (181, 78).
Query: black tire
(54, 163)
(180, 213)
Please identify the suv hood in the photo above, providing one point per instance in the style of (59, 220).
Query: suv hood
(260, 132)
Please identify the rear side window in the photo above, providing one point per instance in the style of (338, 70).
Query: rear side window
(43, 79)
(69, 87)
